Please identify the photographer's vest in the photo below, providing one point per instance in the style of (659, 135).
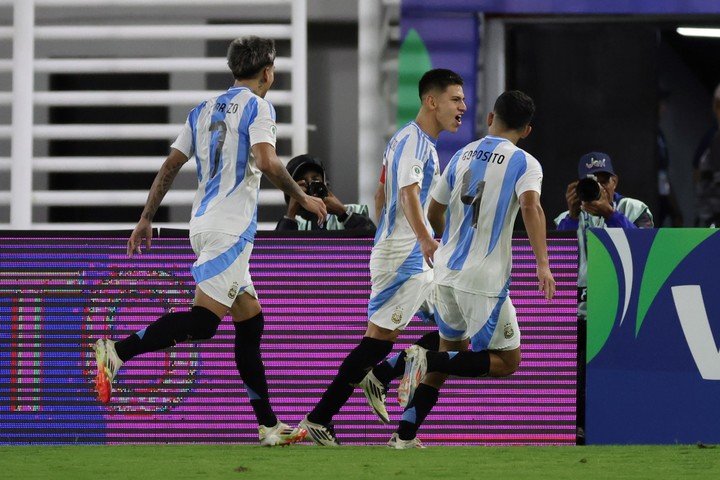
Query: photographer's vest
(332, 222)
(630, 207)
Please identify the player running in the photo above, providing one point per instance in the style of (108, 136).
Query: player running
(482, 189)
(404, 246)
(232, 138)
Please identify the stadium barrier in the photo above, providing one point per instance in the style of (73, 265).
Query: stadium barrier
(653, 372)
(59, 291)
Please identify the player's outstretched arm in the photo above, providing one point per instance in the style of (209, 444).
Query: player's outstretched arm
(410, 201)
(269, 164)
(534, 219)
(160, 186)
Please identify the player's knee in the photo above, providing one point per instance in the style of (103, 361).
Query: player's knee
(505, 363)
(204, 324)
(510, 368)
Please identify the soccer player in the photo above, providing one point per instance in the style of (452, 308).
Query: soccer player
(404, 245)
(232, 137)
(482, 189)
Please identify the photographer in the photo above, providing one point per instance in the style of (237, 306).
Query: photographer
(593, 203)
(309, 173)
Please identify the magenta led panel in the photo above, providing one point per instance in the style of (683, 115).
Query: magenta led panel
(58, 294)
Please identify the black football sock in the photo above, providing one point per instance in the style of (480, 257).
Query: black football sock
(394, 366)
(385, 370)
(353, 369)
(423, 401)
(460, 364)
(249, 363)
(199, 323)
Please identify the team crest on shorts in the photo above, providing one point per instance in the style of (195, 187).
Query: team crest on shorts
(509, 332)
(397, 315)
(232, 293)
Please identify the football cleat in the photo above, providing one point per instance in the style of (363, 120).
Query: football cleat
(323, 435)
(375, 393)
(415, 369)
(399, 444)
(108, 364)
(281, 434)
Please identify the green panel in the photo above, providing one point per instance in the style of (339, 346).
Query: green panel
(669, 248)
(603, 302)
(414, 61)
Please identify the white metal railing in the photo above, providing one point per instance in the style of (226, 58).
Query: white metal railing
(375, 66)
(34, 39)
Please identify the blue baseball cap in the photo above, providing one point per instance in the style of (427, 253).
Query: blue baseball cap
(594, 162)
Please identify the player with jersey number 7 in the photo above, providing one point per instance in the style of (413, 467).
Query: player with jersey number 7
(232, 139)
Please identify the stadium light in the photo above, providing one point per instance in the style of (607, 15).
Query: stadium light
(699, 32)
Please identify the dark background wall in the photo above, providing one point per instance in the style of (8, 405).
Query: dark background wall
(595, 88)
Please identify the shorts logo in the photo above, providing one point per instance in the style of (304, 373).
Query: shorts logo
(397, 315)
(509, 332)
(232, 293)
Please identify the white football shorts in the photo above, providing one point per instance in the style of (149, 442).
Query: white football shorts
(489, 322)
(222, 269)
(396, 297)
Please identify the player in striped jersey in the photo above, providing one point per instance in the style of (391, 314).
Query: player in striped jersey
(404, 245)
(480, 193)
(232, 138)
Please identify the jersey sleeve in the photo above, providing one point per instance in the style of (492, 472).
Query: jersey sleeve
(410, 164)
(185, 142)
(531, 180)
(263, 128)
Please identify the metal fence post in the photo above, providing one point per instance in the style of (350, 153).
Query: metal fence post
(21, 187)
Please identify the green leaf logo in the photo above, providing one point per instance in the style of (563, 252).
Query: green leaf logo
(669, 248)
(603, 283)
(414, 61)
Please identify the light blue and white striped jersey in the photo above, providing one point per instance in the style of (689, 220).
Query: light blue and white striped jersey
(219, 133)
(481, 186)
(409, 158)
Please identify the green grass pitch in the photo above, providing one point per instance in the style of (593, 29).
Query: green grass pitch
(377, 463)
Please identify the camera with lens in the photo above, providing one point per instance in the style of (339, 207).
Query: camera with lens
(317, 189)
(588, 189)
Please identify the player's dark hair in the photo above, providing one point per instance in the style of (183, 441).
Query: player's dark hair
(247, 56)
(440, 79)
(515, 109)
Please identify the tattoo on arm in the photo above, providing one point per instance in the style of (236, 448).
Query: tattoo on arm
(282, 180)
(161, 185)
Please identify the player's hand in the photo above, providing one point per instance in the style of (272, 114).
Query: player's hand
(316, 206)
(143, 230)
(428, 246)
(333, 205)
(573, 202)
(546, 282)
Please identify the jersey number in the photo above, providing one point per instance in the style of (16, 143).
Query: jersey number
(217, 126)
(469, 199)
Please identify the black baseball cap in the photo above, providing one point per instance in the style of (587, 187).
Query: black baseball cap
(297, 166)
